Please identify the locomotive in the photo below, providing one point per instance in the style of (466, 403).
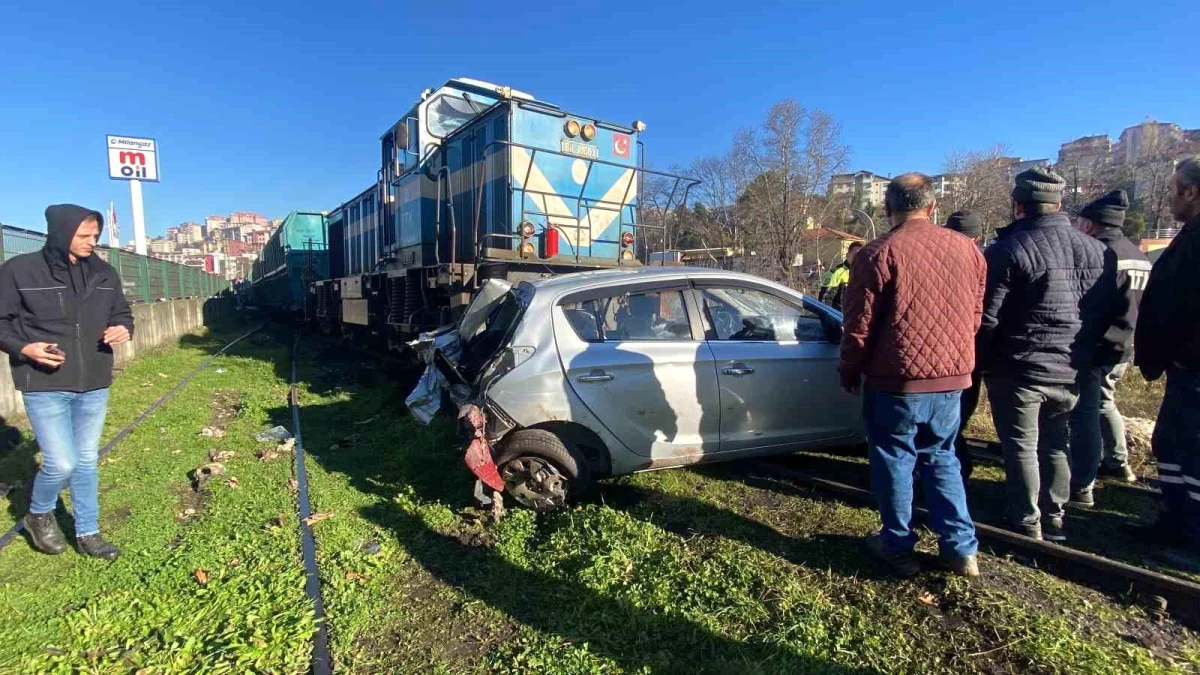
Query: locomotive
(479, 181)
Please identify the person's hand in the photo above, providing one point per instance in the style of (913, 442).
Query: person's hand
(44, 353)
(115, 335)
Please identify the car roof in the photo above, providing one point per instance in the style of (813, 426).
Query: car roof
(567, 282)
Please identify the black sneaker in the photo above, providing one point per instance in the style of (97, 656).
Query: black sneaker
(903, 564)
(97, 547)
(1121, 473)
(43, 531)
(1032, 531)
(1083, 498)
(1053, 530)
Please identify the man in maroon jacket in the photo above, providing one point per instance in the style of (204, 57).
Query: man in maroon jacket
(911, 313)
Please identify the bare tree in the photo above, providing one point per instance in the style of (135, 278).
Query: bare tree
(793, 155)
(983, 185)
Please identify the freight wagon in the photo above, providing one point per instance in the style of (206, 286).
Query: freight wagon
(479, 181)
(293, 258)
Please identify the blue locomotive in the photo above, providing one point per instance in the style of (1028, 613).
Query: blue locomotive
(481, 181)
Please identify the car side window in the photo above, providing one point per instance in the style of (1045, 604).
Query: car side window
(653, 315)
(753, 315)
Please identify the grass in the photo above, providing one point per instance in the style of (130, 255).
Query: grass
(210, 590)
(722, 569)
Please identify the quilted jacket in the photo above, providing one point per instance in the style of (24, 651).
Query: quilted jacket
(912, 309)
(1050, 293)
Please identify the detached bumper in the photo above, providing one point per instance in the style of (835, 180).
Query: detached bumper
(478, 456)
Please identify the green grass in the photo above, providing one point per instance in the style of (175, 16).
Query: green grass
(722, 569)
(147, 612)
(715, 570)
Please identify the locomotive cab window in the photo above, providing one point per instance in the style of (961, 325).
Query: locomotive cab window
(447, 113)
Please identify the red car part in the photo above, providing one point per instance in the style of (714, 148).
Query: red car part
(479, 453)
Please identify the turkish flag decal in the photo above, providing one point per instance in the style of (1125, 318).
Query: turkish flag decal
(621, 145)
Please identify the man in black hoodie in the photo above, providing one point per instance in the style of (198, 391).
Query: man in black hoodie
(1097, 429)
(62, 310)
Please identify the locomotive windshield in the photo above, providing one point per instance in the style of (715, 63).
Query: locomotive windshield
(448, 113)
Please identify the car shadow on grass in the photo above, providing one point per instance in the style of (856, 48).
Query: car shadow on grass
(686, 516)
(426, 463)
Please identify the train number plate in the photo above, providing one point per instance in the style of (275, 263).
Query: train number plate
(579, 149)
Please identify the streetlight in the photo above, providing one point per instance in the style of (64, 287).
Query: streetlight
(860, 216)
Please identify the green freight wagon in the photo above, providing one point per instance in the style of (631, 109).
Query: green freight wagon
(293, 257)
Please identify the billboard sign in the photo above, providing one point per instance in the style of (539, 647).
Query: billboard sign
(132, 158)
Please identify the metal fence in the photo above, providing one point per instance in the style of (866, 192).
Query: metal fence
(145, 279)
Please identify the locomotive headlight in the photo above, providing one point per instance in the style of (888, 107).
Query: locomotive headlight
(627, 255)
(639, 126)
(588, 132)
(572, 128)
(527, 249)
(627, 239)
(527, 230)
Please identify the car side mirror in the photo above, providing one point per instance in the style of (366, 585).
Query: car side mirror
(833, 328)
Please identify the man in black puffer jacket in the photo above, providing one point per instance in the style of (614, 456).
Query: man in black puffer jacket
(62, 311)
(1049, 291)
(1168, 342)
(1097, 428)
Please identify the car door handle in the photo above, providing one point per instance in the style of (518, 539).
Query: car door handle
(594, 377)
(738, 369)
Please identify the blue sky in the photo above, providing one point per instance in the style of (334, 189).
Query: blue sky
(273, 106)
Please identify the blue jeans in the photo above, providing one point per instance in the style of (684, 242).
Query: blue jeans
(68, 427)
(1176, 446)
(918, 430)
(1097, 429)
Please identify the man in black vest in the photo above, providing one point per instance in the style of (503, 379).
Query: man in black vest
(62, 311)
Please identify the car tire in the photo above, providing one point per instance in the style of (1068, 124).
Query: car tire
(540, 471)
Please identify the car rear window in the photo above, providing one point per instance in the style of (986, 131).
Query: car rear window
(649, 316)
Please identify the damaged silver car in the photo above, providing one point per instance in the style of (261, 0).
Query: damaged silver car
(563, 380)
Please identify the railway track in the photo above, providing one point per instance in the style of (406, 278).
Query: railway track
(992, 453)
(1158, 592)
(321, 663)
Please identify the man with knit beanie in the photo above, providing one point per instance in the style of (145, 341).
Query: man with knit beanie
(968, 225)
(1097, 429)
(1047, 299)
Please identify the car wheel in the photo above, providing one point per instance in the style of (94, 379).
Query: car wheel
(540, 472)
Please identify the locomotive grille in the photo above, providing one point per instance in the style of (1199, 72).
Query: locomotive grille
(396, 300)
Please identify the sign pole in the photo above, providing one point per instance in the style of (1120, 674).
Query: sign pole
(139, 222)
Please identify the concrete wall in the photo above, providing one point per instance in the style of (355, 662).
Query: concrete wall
(155, 325)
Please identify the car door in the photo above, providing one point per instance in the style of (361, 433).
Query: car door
(636, 357)
(776, 360)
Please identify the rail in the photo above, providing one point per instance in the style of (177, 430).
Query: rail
(681, 188)
(145, 279)
(1182, 595)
